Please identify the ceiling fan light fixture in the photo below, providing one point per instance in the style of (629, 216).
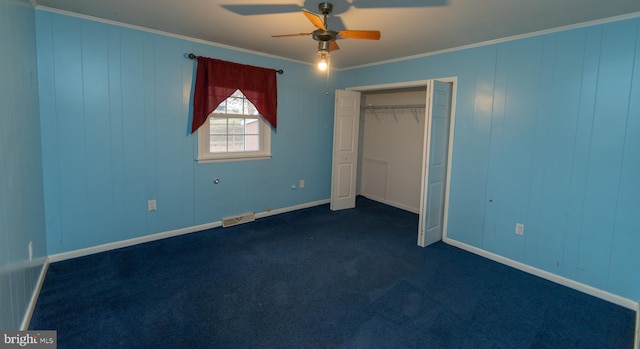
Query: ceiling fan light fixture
(327, 38)
(324, 60)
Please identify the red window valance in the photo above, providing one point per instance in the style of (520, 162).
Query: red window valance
(216, 80)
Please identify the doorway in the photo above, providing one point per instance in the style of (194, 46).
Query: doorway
(391, 139)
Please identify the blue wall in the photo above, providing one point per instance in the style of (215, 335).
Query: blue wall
(115, 106)
(21, 193)
(548, 129)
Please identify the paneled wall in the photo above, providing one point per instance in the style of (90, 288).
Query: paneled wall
(21, 199)
(547, 134)
(115, 113)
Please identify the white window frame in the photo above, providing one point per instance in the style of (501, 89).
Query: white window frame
(205, 155)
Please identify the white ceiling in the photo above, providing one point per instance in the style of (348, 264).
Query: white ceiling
(409, 27)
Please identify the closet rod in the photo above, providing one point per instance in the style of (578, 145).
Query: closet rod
(407, 106)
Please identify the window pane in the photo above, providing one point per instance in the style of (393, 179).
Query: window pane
(234, 105)
(252, 143)
(217, 126)
(249, 108)
(218, 144)
(236, 126)
(236, 143)
(252, 126)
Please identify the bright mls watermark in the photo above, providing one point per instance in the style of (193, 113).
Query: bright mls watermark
(28, 339)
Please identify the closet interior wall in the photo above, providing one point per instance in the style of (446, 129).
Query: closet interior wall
(390, 142)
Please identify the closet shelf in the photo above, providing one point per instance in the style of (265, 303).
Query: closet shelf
(393, 107)
(413, 108)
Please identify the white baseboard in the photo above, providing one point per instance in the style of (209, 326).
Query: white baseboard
(292, 208)
(34, 296)
(392, 203)
(637, 342)
(167, 234)
(590, 290)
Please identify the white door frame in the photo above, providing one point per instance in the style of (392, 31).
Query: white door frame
(423, 83)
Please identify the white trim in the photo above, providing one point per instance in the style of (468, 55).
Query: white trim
(426, 155)
(426, 84)
(130, 242)
(34, 296)
(501, 40)
(421, 55)
(167, 234)
(390, 86)
(392, 203)
(204, 132)
(452, 124)
(578, 286)
(232, 158)
(291, 208)
(637, 341)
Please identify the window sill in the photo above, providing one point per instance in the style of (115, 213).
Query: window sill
(208, 160)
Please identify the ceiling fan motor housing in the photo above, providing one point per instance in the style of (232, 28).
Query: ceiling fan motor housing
(324, 35)
(327, 38)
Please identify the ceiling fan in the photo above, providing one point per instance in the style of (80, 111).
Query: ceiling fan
(327, 38)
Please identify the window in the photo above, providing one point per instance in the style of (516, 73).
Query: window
(234, 131)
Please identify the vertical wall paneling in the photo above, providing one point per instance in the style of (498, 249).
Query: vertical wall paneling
(97, 131)
(117, 112)
(150, 128)
(70, 125)
(171, 139)
(605, 153)
(49, 126)
(472, 156)
(580, 156)
(512, 138)
(555, 147)
(22, 219)
(116, 125)
(626, 224)
(546, 135)
(134, 130)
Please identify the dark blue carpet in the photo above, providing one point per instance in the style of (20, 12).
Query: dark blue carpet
(314, 278)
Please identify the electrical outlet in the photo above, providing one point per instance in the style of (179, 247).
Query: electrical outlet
(519, 228)
(151, 205)
(301, 184)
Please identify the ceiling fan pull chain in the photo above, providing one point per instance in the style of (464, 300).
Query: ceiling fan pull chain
(328, 70)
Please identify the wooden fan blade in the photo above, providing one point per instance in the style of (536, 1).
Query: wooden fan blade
(314, 19)
(360, 34)
(286, 35)
(333, 46)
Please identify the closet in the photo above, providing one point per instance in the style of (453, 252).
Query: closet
(390, 146)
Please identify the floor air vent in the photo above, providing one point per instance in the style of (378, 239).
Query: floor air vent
(235, 220)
